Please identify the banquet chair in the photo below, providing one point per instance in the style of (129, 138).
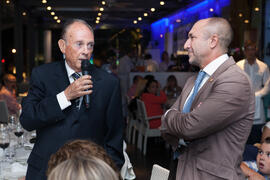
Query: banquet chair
(133, 125)
(159, 173)
(3, 112)
(144, 126)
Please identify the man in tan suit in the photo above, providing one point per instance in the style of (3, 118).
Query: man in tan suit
(213, 115)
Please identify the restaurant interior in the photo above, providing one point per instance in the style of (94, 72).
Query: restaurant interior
(30, 30)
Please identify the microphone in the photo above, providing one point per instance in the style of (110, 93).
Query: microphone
(85, 71)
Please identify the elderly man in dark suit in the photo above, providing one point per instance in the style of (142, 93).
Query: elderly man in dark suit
(54, 106)
(214, 114)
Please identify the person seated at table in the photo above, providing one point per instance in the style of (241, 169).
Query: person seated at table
(132, 90)
(8, 93)
(153, 99)
(172, 90)
(259, 169)
(83, 148)
(83, 168)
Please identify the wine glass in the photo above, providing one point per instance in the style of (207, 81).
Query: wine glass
(4, 140)
(18, 131)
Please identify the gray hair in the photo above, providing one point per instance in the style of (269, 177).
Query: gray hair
(72, 21)
(221, 27)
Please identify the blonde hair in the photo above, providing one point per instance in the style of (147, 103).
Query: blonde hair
(83, 168)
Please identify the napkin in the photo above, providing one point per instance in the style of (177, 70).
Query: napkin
(18, 168)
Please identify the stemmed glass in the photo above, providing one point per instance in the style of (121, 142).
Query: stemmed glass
(18, 131)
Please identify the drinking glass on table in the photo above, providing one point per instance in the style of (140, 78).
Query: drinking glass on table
(4, 140)
(18, 131)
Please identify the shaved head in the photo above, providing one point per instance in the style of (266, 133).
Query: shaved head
(221, 28)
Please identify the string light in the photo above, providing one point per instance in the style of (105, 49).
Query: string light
(152, 9)
(49, 8)
(145, 14)
(52, 13)
(139, 18)
(162, 3)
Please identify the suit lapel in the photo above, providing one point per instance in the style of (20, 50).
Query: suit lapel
(223, 67)
(61, 77)
(186, 91)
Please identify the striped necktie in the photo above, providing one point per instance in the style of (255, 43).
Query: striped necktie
(76, 76)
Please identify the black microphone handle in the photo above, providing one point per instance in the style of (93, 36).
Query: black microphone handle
(87, 96)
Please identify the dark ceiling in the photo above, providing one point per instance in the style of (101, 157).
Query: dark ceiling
(116, 12)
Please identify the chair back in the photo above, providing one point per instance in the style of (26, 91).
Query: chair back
(141, 112)
(3, 112)
(159, 173)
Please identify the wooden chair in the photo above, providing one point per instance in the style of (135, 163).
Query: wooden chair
(159, 173)
(144, 126)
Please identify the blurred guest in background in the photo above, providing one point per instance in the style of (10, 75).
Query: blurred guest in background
(8, 93)
(150, 64)
(166, 63)
(259, 75)
(83, 168)
(132, 90)
(153, 99)
(172, 90)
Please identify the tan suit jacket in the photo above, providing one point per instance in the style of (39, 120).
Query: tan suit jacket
(217, 126)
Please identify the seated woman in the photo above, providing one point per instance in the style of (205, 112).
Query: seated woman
(172, 90)
(153, 99)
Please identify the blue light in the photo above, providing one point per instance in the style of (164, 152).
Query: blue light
(198, 10)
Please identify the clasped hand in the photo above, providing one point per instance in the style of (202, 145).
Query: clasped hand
(78, 88)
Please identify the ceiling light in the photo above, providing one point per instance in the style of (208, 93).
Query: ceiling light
(162, 3)
(246, 21)
(152, 9)
(257, 9)
(49, 8)
(44, 1)
(103, 2)
(55, 17)
(97, 21)
(211, 9)
(139, 18)
(13, 51)
(7, 1)
(52, 13)
(99, 14)
(58, 21)
(135, 21)
(240, 14)
(101, 9)
(24, 13)
(145, 14)
(178, 20)
(98, 18)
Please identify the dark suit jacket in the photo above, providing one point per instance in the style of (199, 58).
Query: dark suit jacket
(101, 123)
(217, 126)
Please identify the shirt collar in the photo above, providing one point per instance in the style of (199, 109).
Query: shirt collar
(212, 66)
(70, 71)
